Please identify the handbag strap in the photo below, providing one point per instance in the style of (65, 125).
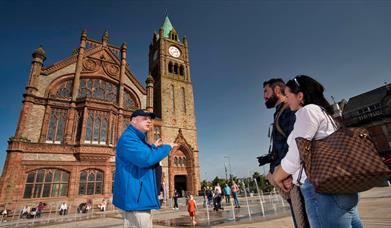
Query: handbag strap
(336, 127)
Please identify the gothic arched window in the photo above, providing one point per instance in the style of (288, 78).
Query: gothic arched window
(156, 133)
(65, 89)
(170, 67)
(56, 126)
(97, 127)
(91, 182)
(113, 130)
(126, 121)
(129, 102)
(173, 97)
(180, 161)
(183, 95)
(176, 161)
(98, 89)
(181, 70)
(46, 183)
(176, 68)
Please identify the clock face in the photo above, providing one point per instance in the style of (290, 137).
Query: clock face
(174, 51)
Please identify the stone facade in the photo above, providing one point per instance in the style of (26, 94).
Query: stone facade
(372, 110)
(74, 111)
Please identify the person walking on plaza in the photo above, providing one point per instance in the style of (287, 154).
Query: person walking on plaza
(284, 119)
(192, 209)
(313, 121)
(217, 197)
(209, 194)
(234, 190)
(135, 186)
(175, 197)
(227, 194)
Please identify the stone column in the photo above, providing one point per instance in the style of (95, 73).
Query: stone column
(75, 90)
(121, 91)
(149, 105)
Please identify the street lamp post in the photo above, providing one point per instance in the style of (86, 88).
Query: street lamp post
(229, 163)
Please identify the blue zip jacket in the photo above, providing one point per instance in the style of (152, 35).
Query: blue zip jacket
(135, 179)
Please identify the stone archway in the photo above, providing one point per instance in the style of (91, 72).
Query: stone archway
(180, 184)
(181, 163)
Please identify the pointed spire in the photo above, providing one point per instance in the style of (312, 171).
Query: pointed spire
(167, 27)
(105, 38)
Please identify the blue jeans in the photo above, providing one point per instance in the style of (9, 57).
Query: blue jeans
(330, 210)
(236, 201)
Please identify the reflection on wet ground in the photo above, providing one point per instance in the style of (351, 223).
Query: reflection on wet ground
(271, 209)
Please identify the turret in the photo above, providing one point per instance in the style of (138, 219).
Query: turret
(39, 57)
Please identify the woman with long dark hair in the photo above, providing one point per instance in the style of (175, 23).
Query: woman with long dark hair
(313, 121)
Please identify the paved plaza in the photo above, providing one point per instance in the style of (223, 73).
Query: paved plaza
(374, 207)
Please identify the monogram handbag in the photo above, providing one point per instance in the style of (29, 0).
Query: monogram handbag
(346, 161)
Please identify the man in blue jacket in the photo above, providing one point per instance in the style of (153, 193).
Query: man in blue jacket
(135, 185)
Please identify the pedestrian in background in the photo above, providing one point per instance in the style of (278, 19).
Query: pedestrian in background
(192, 209)
(234, 190)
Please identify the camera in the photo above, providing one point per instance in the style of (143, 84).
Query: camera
(265, 159)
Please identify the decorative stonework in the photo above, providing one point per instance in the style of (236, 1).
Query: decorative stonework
(90, 65)
(111, 69)
(48, 157)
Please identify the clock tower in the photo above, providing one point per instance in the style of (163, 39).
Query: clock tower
(173, 102)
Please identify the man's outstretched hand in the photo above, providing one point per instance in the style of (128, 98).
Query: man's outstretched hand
(158, 143)
(173, 145)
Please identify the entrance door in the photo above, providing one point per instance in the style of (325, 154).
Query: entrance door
(180, 184)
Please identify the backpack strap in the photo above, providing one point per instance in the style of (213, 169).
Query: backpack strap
(276, 120)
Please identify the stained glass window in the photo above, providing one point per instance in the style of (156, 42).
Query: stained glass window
(96, 129)
(46, 183)
(113, 130)
(65, 89)
(98, 89)
(91, 182)
(129, 101)
(56, 126)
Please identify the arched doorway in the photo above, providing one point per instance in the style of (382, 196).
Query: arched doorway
(180, 184)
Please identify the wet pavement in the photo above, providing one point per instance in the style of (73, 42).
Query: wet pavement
(374, 208)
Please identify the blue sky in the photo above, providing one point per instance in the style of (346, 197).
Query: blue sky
(234, 46)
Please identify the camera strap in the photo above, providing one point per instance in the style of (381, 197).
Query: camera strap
(277, 118)
(277, 125)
